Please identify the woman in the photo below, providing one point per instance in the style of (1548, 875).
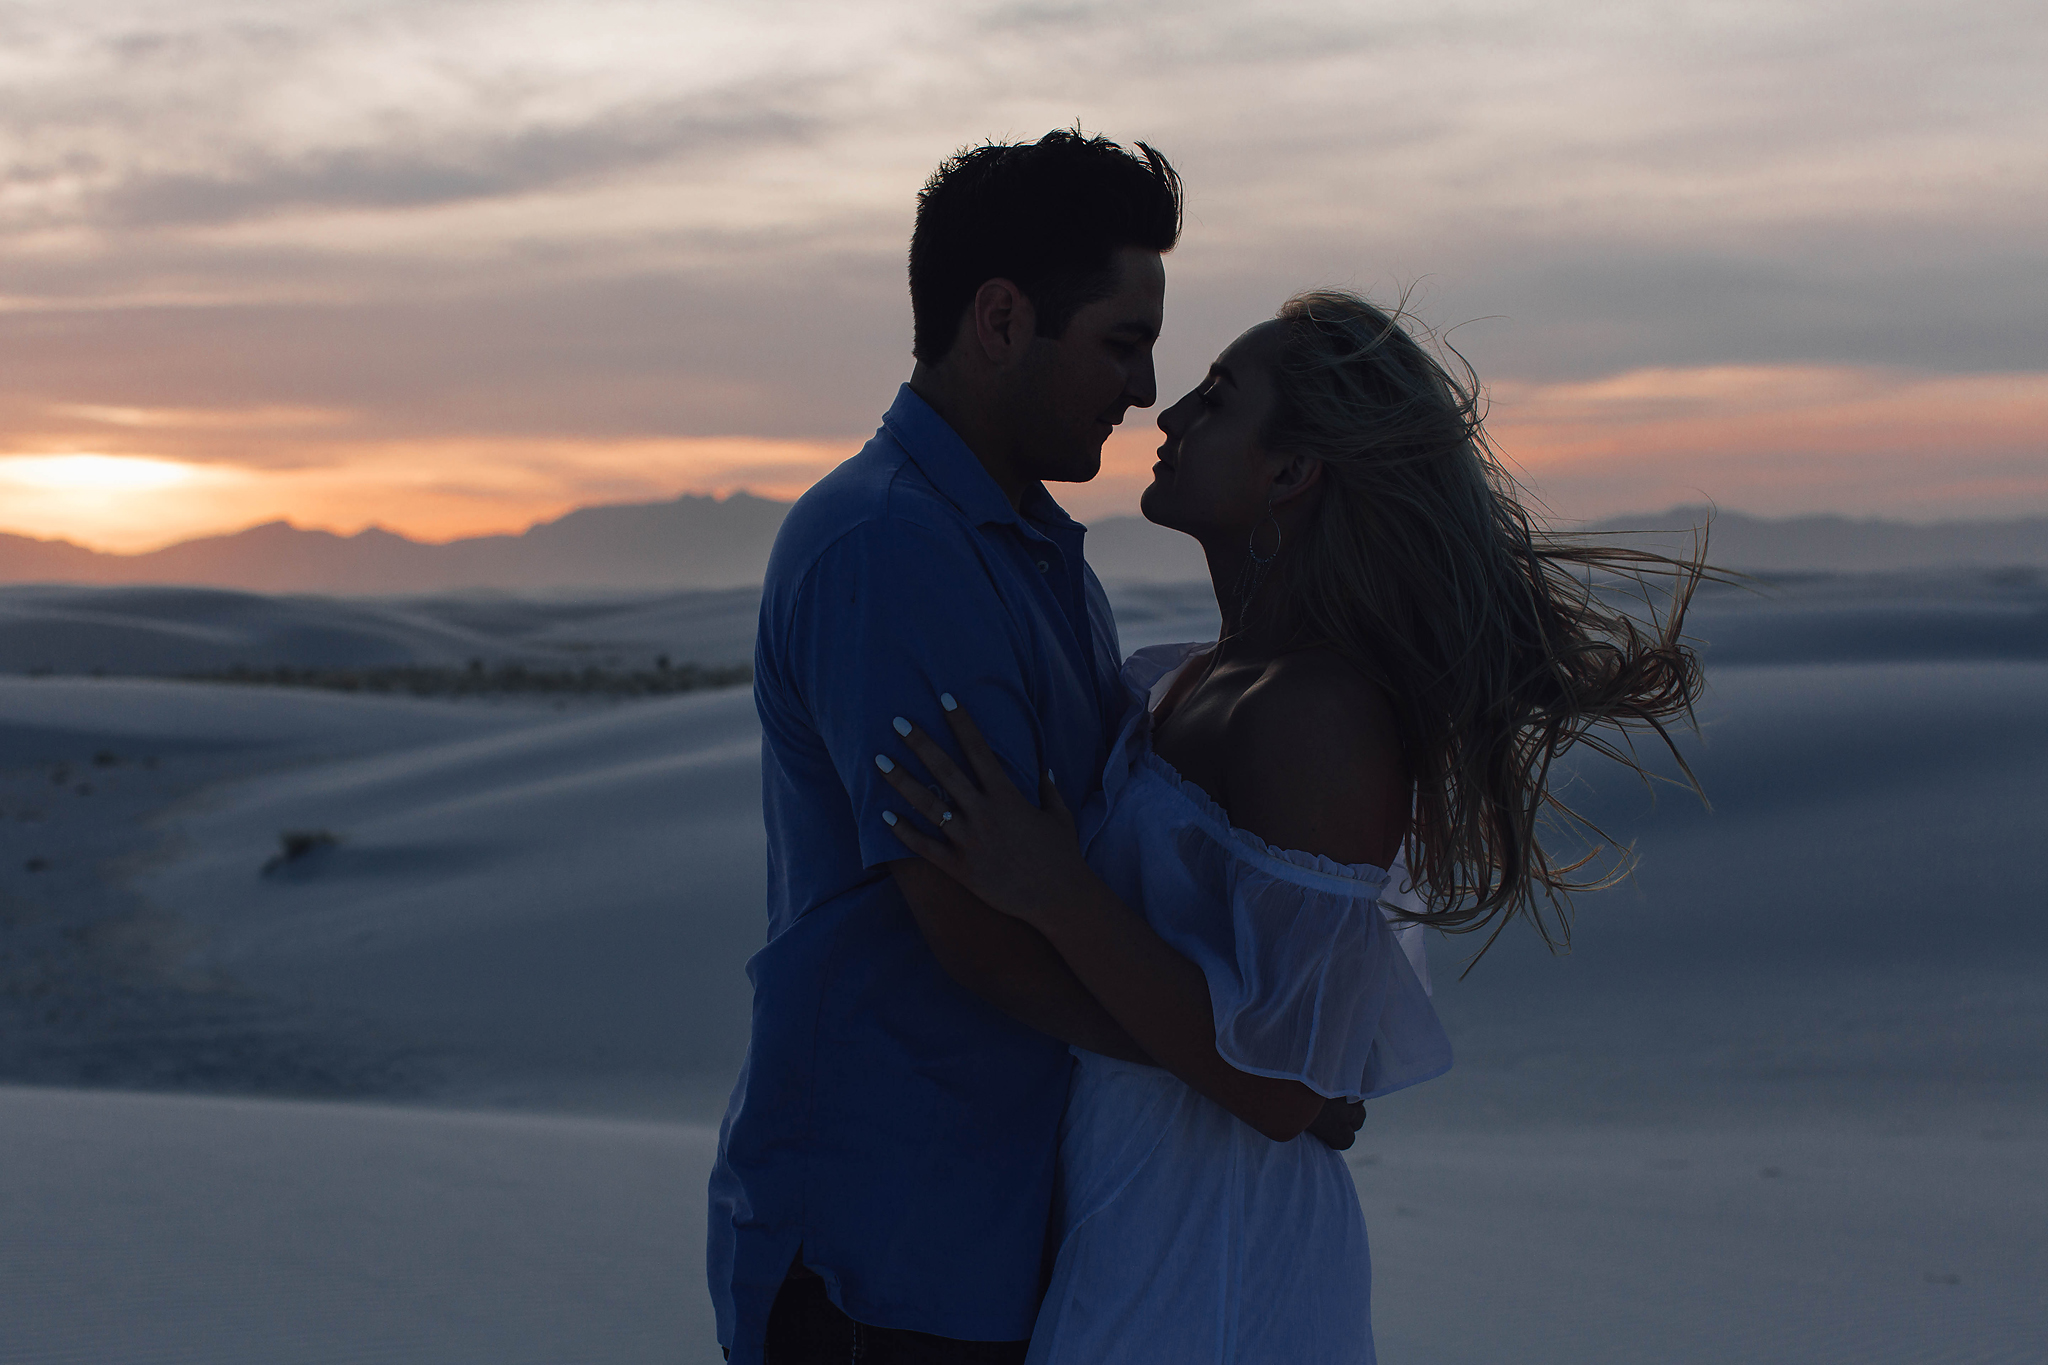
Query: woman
(1402, 658)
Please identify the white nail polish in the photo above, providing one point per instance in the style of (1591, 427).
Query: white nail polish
(882, 762)
(902, 726)
(888, 817)
(946, 700)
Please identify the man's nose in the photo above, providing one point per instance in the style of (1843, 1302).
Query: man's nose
(1141, 390)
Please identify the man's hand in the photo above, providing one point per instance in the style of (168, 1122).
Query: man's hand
(1337, 1126)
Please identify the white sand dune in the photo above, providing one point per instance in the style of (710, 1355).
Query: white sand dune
(561, 906)
(156, 630)
(174, 1230)
(162, 1230)
(1787, 1245)
(1839, 975)
(701, 627)
(150, 630)
(1855, 927)
(1810, 618)
(100, 984)
(53, 720)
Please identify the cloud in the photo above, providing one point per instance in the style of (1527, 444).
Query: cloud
(403, 175)
(122, 118)
(201, 419)
(617, 222)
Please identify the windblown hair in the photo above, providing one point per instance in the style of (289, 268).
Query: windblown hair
(1492, 636)
(1048, 216)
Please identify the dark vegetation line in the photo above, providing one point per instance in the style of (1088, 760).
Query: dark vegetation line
(664, 679)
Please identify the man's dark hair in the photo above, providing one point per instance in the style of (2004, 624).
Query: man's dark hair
(1049, 216)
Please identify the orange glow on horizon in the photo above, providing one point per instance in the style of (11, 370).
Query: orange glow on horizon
(1782, 440)
(1764, 439)
(431, 490)
(88, 474)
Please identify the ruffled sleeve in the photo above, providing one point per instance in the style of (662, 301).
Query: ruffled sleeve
(1306, 978)
(1403, 893)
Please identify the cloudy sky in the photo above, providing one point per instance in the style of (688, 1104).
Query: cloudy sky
(452, 267)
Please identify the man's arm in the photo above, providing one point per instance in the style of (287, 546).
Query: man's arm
(1007, 963)
(861, 651)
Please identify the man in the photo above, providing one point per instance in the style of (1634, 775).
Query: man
(885, 1167)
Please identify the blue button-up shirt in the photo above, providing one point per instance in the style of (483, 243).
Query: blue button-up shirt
(888, 1122)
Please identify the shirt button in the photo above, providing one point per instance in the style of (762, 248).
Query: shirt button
(1044, 566)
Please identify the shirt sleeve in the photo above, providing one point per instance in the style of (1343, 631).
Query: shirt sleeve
(1310, 984)
(892, 615)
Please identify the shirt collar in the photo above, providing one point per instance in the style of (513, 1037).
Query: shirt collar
(952, 468)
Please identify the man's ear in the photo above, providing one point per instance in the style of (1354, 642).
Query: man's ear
(1003, 320)
(1294, 477)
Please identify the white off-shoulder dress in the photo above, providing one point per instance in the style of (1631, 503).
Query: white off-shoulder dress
(1183, 1236)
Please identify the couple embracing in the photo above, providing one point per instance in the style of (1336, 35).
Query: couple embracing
(1079, 968)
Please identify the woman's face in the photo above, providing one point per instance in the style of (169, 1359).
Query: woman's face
(1212, 477)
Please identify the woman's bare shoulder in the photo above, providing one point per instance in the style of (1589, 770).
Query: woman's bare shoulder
(1314, 754)
(1317, 693)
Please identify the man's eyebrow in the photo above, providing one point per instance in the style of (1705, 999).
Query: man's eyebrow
(1223, 373)
(1145, 331)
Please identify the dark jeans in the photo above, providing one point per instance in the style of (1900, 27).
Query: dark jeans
(806, 1328)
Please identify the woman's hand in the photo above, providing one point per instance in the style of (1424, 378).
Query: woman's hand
(1023, 860)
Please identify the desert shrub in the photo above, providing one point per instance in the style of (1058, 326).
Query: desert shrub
(297, 844)
(475, 680)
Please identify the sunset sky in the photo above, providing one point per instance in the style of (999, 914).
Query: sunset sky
(456, 267)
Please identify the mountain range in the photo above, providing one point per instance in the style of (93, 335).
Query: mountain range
(693, 542)
(703, 542)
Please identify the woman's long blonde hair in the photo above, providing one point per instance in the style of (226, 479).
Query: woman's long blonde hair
(1423, 568)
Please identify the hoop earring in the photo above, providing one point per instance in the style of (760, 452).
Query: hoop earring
(1251, 542)
(1253, 575)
